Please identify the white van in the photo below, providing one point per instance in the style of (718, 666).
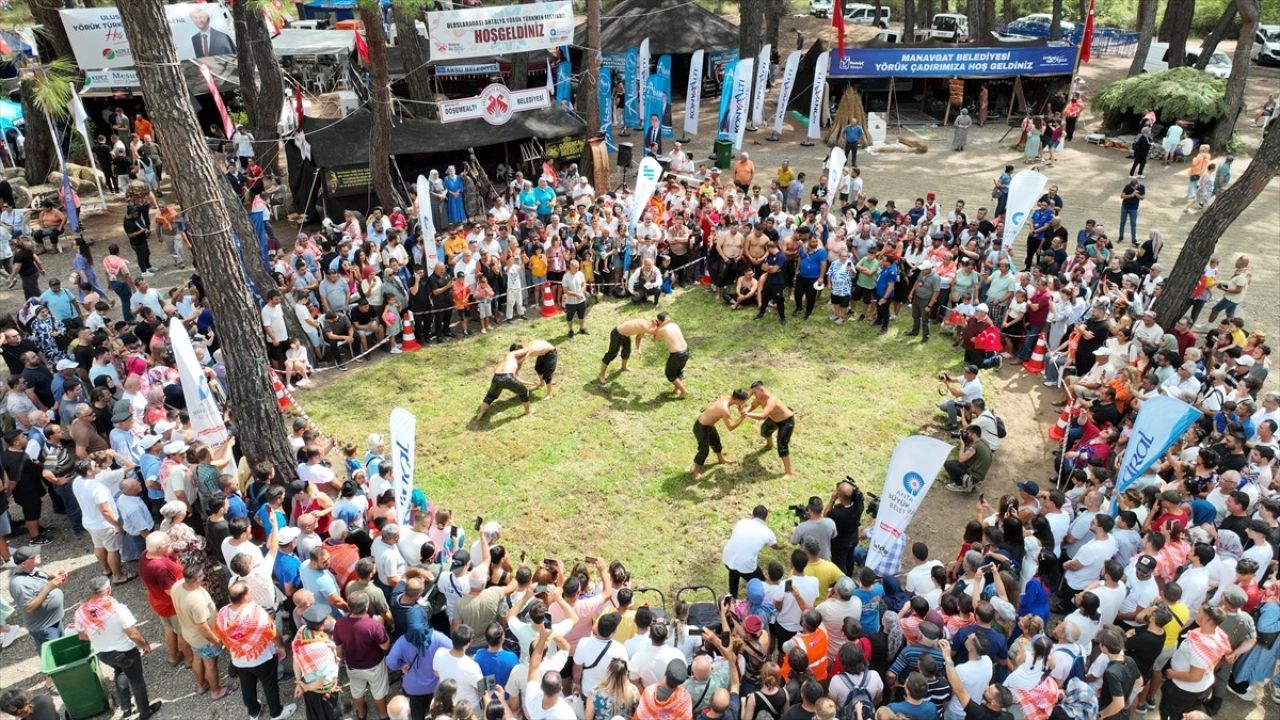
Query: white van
(860, 14)
(1158, 59)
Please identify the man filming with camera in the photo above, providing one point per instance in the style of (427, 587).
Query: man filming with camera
(815, 525)
(971, 464)
(845, 509)
(963, 392)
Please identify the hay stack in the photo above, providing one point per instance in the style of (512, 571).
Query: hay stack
(850, 107)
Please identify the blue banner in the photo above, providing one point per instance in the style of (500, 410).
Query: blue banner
(726, 99)
(663, 78)
(952, 61)
(564, 71)
(1161, 421)
(631, 90)
(606, 108)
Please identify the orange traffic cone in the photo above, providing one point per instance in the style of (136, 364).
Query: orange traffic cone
(1036, 363)
(1059, 429)
(409, 342)
(549, 308)
(282, 397)
(706, 274)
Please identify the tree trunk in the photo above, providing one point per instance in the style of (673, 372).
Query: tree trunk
(380, 144)
(1178, 15)
(45, 13)
(988, 24)
(418, 75)
(1249, 11)
(588, 87)
(750, 37)
(260, 430)
(908, 20)
(1219, 32)
(520, 66)
(1202, 241)
(261, 82)
(1006, 11)
(38, 149)
(1146, 28)
(1055, 22)
(775, 10)
(926, 15)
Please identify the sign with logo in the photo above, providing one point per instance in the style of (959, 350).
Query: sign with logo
(98, 40)
(349, 180)
(912, 468)
(1024, 191)
(952, 61)
(495, 104)
(206, 416)
(98, 79)
(569, 148)
(1161, 421)
(499, 30)
(460, 70)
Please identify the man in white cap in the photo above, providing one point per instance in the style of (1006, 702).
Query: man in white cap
(175, 476)
(390, 563)
(924, 295)
(1104, 369)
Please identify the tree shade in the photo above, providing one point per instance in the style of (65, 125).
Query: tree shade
(1183, 93)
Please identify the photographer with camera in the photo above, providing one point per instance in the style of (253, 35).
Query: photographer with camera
(963, 393)
(816, 525)
(992, 426)
(845, 509)
(971, 464)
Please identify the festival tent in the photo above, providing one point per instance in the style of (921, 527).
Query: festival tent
(336, 175)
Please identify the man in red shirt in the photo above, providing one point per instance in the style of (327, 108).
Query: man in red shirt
(1038, 306)
(1185, 338)
(159, 572)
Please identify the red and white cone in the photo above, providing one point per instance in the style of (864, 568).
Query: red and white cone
(282, 397)
(549, 308)
(409, 343)
(1036, 363)
(1059, 429)
(706, 274)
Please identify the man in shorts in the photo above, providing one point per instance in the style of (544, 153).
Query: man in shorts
(504, 378)
(777, 418)
(196, 616)
(620, 342)
(704, 430)
(544, 365)
(669, 333)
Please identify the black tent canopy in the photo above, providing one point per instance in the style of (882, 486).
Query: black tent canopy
(674, 27)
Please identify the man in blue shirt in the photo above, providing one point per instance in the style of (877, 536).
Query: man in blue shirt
(287, 567)
(493, 660)
(812, 268)
(775, 282)
(61, 303)
(546, 199)
(915, 705)
(885, 282)
(852, 136)
(1040, 219)
(1001, 191)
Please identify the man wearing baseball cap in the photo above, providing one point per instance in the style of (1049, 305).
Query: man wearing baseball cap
(924, 296)
(37, 595)
(963, 392)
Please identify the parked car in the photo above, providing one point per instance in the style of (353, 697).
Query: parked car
(1158, 59)
(891, 37)
(860, 14)
(820, 8)
(1266, 45)
(1037, 25)
(951, 27)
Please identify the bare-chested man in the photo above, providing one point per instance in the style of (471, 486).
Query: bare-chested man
(729, 248)
(545, 364)
(757, 243)
(704, 430)
(669, 333)
(778, 418)
(504, 378)
(620, 342)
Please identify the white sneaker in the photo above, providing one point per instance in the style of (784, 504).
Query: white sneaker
(304, 383)
(1246, 696)
(148, 274)
(8, 636)
(395, 350)
(286, 712)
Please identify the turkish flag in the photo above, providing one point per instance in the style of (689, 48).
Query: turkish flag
(837, 22)
(988, 339)
(362, 47)
(1086, 40)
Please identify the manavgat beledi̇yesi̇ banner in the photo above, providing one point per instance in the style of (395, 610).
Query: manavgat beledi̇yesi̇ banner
(951, 61)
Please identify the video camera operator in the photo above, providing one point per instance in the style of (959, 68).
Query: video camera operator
(987, 420)
(845, 509)
(963, 393)
(817, 526)
(971, 464)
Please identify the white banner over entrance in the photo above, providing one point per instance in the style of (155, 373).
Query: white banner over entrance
(98, 41)
(403, 427)
(206, 418)
(495, 104)
(499, 30)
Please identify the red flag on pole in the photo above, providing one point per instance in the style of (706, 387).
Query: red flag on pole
(362, 47)
(297, 103)
(207, 74)
(1086, 40)
(837, 22)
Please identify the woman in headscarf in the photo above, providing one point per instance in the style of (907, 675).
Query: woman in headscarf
(1149, 253)
(1141, 149)
(437, 192)
(191, 549)
(454, 202)
(755, 604)
(45, 331)
(961, 136)
(1228, 550)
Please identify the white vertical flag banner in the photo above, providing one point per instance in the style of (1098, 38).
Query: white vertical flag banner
(1161, 421)
(740, 100)
(835, 166)
(647, 175)
(426, 223)
(206, 416)
(693, 94)
(816, 99)
(784, 90)
(403, 428)
(1024, 191)
(642, 78)
(762, 80)
(80, 118)
(912, 469)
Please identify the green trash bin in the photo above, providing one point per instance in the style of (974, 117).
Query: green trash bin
(71, 664)
(723, 150)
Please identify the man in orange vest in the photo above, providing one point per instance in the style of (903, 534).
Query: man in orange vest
(813, 638)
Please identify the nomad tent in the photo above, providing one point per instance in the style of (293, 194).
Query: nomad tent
(336, 175)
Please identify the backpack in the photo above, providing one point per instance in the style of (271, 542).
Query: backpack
(858, 695)
(1077, 665)
(1001, 432)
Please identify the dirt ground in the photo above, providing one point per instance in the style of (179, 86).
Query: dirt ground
(1089, 178)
